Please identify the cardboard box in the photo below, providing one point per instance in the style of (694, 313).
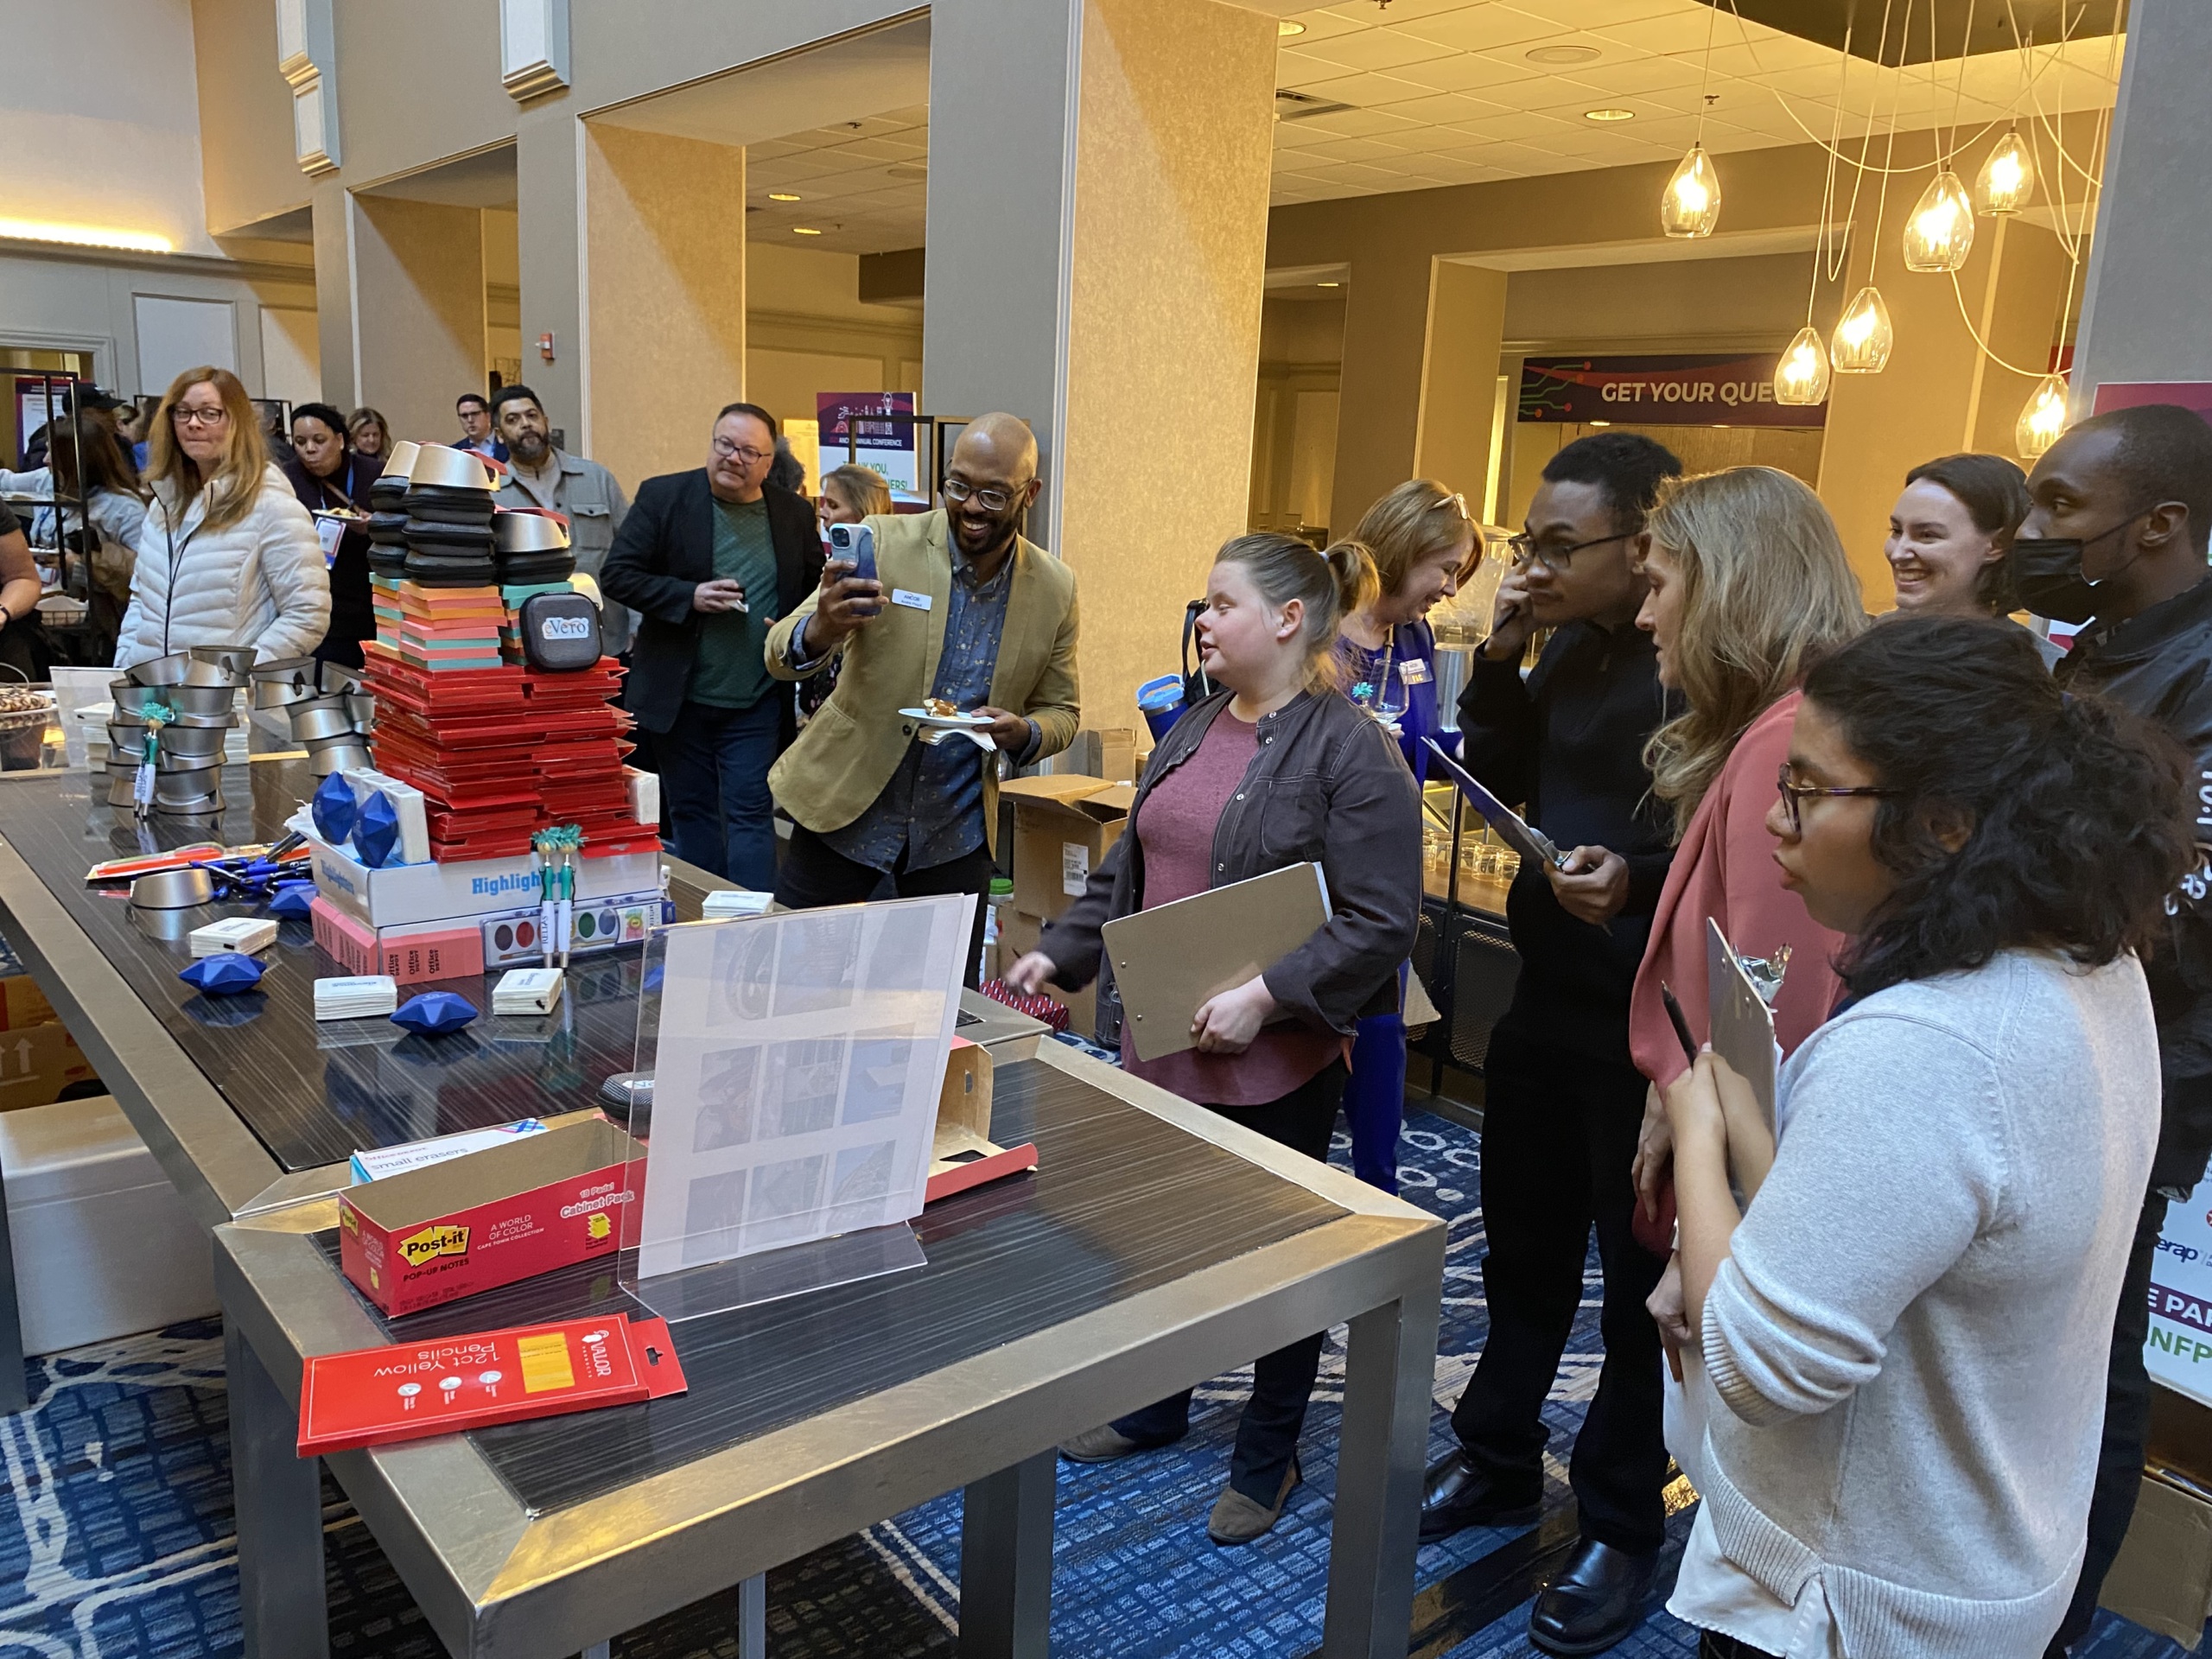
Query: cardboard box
(431, 1235)
(39, 1064)
(1017, 935)
(474, 887)
(21, 1003)
(964, 1153)
(1063, 826)
(2163, 1577)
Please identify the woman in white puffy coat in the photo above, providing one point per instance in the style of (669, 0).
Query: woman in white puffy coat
(228, 556)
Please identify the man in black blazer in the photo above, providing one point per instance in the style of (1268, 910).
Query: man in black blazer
(710, 559)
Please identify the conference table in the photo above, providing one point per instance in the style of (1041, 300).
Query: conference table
(1155, 1245)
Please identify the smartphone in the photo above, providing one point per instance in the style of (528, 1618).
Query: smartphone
(856, 544)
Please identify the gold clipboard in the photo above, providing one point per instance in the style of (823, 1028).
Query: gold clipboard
(1169, 959)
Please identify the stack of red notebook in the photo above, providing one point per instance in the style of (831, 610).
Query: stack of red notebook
(500, 753)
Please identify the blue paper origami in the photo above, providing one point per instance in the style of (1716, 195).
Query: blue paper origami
(333, 810)
(224, 973)
(376, 832)
(434, 1011)
(292, 898)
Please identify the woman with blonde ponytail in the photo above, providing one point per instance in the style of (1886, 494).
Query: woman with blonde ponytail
(1275, 768)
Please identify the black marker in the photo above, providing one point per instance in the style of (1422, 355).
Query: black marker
(1682, 1025)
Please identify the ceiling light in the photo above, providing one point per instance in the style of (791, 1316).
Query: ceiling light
(782, 195)
(804, 230)
(1328, 285)
(1562, 53)
(2043, 420)
(1609, 115)
(1802, 376)
(2008, 177)
(1691, 203)
(1863, 334)
(84, 236)
(1940, 234)
(1285, 28)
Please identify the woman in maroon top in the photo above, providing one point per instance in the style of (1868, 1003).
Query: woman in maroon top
(1277, 768)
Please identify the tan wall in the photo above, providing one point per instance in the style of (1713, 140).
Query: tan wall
(1458, 381)
(1929, 400)
(665, 285)
(807, 331)
(1169, 253)
(419, 310)
(245, 116)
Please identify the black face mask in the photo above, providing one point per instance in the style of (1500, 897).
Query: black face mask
(2046, 573)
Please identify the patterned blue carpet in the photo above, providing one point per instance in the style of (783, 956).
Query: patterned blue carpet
(121, 1540)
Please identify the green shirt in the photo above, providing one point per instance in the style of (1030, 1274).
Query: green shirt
(727, 666)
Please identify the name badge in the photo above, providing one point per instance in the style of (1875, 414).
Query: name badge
(1415, 672)
(911, 601)
(329, 532)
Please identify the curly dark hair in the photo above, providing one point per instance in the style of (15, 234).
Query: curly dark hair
(2079, 809)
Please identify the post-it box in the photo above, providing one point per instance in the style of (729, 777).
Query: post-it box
(490, 1218)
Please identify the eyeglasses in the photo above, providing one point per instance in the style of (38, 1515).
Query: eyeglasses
(1457, 502)
(1527, 550)
(739, 454)
(1794, 796)
(184, 416)
(990, 499)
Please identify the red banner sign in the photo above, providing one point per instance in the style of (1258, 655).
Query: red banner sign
(1696, 390)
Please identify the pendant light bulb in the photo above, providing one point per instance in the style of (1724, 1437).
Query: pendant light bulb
(1802, 376)
(1691, 203)
(1863, 336)
(2007, 179)
(1940, 233)
(2043, 420)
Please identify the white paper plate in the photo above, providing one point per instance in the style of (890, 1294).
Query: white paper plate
(946, 723)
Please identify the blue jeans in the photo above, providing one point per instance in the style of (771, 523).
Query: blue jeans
(714, 780)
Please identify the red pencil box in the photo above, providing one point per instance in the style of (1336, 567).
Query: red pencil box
(412, 1391)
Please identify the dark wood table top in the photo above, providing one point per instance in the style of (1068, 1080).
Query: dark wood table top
(313, 1093)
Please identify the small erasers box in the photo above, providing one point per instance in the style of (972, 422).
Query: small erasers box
(411, 1390)
(361, 996)
(244, 934)
(527, 990)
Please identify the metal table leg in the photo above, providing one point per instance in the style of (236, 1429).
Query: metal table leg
(752, 1617)
(15, 1387)
(1006, 1562)
(278, 1496)
(1388, 1370)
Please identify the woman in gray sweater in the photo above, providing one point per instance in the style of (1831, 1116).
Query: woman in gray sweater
(1904, 1336)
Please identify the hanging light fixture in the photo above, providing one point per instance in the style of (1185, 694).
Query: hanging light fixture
(1940, 233)
(1863, 336)
(2043, 420)
(2008, 178)
(1691, 205)
(1802, 376)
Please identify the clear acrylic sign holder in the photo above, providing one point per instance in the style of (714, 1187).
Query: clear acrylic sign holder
(796, 1060)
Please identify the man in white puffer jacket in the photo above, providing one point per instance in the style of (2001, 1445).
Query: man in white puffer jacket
(211, 570)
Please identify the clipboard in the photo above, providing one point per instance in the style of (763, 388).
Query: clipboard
(1169, 959)
(1742, 1024)
(1516, 832)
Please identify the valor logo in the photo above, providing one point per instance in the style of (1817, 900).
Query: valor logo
(432, 1242)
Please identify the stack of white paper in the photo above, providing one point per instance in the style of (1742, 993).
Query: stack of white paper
(357, 997)
(527, 990)
(242, 933)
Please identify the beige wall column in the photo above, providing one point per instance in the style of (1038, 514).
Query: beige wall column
(332, 210)
(663, 295)
(1458, 381)
(418, 311)
(1096, 252)
(1936, 397)
(550, 243)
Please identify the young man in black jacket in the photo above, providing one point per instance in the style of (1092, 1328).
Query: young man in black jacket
(709, 559)
(2116, 538)
(1564, 1102)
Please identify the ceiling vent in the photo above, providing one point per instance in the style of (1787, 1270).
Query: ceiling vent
(1304, 107)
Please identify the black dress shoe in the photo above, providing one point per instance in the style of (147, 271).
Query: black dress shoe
(1456, 1494)
(1597, 1599)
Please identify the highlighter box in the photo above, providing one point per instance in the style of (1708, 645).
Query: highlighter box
(412, 954)
(963, 1155)
(410, 1391)
(490, 1218)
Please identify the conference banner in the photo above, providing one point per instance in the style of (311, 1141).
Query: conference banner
(1698, 389)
